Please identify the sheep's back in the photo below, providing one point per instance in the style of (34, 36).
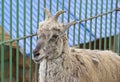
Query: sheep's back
(95, 65)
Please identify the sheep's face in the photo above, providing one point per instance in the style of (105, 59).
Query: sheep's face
(49, 44)
(50, 38)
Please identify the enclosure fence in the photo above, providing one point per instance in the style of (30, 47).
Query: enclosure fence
(97, 27)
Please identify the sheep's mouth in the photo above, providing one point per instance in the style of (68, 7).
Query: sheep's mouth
(37, 58)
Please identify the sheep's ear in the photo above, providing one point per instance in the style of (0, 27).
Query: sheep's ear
(47, 13)
(65, 27)
(57, 15)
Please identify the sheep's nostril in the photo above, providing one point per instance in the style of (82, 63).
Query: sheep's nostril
(36, 53)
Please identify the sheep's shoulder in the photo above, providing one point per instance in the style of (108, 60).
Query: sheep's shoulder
(90, 62)
(84, 55)
(83, 64)
(94, 57)
(99, 54)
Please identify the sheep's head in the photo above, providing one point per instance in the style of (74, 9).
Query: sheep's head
(50, 37)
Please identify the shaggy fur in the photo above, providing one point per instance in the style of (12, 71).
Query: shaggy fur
(60, 63)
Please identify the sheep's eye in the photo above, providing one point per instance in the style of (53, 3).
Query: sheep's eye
(54, 37)
(42, 36)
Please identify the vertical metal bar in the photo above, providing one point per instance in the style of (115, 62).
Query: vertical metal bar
(30, 41)
(44, 7)
(119, 43)
(91, 7)
(68, 16)
(62, 9)
(119, 39)
(44, 3)
(10, 48)
(118, 48)
(84, 45)
(17, 48)
(114, 49)
(105, 39)
(57, 5)
(2, 46)
(110, 43)
(50, 5)
(95, 24)
(74, 24)
(24, 41)
(80, 8)
(119, 36)
(36, 65)
(100, 40)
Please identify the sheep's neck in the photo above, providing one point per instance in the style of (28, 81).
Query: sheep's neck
(55, 69)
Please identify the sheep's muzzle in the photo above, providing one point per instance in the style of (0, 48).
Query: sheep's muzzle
(36, 52)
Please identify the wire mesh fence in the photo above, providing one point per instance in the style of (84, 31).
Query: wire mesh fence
(98, 27)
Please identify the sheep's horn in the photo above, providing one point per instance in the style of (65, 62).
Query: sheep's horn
(57, 14)
(47, 13)
(65, 27)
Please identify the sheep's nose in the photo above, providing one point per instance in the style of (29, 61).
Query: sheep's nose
(36, 53)
(40, 44)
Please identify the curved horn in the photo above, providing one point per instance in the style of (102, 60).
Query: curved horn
(47, 13)
(65, 27)
(57, 14)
